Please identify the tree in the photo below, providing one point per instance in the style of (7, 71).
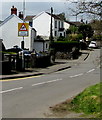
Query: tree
(89, 7)
(97, 26)
(62, 16)
(73, 29)
(86, 30)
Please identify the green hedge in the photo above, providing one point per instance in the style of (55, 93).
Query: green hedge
(65, 46)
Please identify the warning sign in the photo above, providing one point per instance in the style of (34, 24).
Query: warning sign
(23, 29)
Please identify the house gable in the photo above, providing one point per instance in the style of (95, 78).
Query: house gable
(41, 23)
(9, 33)
(9, 18)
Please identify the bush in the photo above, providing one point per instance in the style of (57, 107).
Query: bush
(65, 46)
(42, 61)
(83, 46)
(97, 37)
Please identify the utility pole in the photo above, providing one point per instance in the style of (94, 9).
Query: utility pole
(52, 52)
(51, 35)
(23, 10)
(22, 43)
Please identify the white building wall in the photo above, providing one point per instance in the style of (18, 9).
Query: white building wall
(66, 25)
(42, 24)
(38, 46)
(10, 34)
(41, 46)
(33, 36)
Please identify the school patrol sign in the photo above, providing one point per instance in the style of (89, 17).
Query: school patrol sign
(23, 29)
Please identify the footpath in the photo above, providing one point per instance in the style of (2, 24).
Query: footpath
(60, 64)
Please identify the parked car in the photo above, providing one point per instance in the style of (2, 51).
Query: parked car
(26, 53)
(17, 49)
(93, 44)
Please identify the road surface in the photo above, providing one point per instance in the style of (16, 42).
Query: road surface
(31, 97)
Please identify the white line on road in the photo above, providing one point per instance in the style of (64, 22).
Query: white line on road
(11, 90)
(90, 70)
(76, 75)
(46, 82)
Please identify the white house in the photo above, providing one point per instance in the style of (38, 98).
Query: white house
(9, 33)
(42, 23)
(67, 25)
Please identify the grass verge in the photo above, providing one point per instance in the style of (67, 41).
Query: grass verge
(87, 102)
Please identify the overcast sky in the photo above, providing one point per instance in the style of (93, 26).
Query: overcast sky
(33, 7)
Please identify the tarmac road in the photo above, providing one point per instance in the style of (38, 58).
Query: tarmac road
(31, 97)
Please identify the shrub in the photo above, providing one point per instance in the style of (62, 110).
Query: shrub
(65, 46)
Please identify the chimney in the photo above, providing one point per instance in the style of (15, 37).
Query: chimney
(13, 10)
(20, 15)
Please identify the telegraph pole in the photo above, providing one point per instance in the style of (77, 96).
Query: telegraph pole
(22, 44)
(23, 10)
(51, 35)
(52, 51)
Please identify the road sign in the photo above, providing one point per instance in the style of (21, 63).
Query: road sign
(23, 29)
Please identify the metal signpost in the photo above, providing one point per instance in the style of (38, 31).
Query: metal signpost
(23, 31)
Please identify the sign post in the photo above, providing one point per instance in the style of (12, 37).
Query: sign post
(23, 31)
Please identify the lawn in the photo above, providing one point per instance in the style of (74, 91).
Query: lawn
(87, 102)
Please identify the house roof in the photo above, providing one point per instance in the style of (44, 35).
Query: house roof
(54, 16)
(41, 39)
(1, 21)
(29, 18)
(74, 23)
(69, 22)
(77, 23)
(8, 18)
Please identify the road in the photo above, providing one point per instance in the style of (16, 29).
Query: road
(31, 97)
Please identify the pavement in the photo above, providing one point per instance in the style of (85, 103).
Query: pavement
(60, 64)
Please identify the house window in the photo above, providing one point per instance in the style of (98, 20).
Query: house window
(62, 25)
(30, 23)
(59, 24)
(64, 34)
(46, 45)
(55, 24)
(55, 33)
(60, 34)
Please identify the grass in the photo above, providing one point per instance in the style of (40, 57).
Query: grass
(12, 53)
(87, 102)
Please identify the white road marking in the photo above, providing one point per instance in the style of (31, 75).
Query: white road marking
(11, 90)
(90, 70)
(46, 82)
(76, 75)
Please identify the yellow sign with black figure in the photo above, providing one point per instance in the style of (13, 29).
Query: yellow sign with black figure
(23, 29)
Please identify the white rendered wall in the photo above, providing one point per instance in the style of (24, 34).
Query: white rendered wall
(42, 24)
(10, 34)
(40, 46)
(66, 25)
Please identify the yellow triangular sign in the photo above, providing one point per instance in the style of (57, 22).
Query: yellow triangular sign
(23, 27)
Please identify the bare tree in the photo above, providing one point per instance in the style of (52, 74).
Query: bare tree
(89, 7)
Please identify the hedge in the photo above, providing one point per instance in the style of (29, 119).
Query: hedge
(65, 46)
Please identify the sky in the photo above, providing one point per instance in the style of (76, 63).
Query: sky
(34, 7)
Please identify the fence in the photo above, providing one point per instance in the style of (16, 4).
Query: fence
(16, 62)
